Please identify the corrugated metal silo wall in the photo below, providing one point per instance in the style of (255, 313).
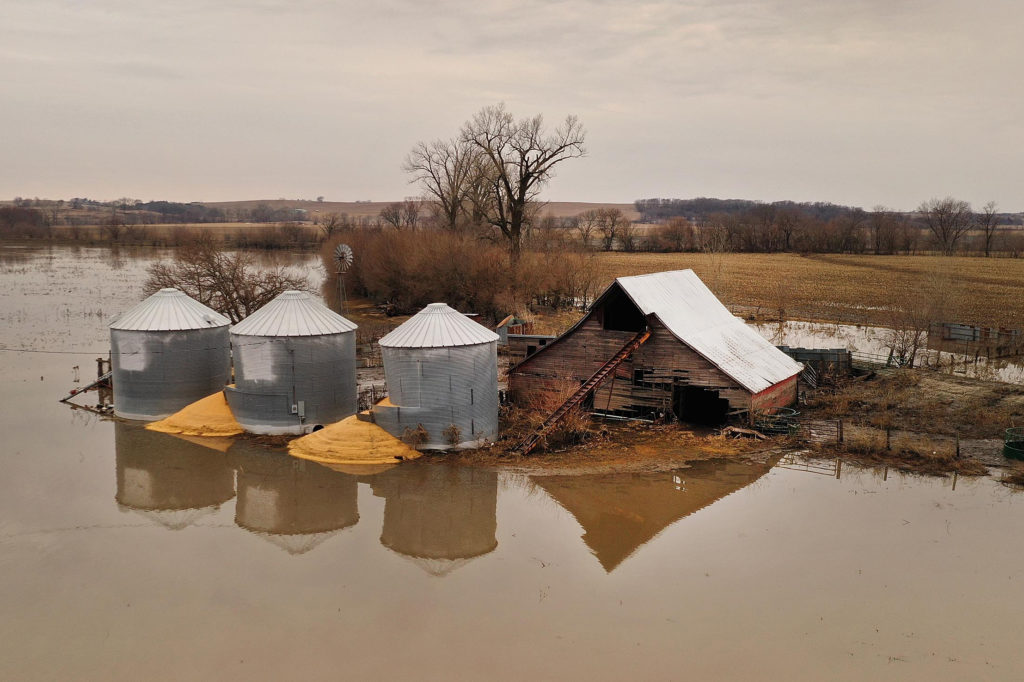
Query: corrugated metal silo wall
(439, 387)
(158, 373)
(272, 374)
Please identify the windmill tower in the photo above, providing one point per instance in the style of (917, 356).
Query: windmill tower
(343, 261)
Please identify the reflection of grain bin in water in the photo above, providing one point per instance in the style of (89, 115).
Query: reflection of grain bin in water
(293, 503)
(295, 366)
(440, 516)
(620, 513)
(167, 352)
(442, 374)
(170, 480)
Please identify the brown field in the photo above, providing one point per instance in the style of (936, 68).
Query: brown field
(842, 288)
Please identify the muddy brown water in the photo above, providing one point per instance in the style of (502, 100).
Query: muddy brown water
(132, 555)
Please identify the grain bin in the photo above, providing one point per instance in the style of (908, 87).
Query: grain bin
(166, 353)
(442, 374)
(295, 366)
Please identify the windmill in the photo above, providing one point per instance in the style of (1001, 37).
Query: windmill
(343, 261)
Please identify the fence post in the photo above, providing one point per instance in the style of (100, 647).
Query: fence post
(958, 445)
(888, 439)
(840, 431)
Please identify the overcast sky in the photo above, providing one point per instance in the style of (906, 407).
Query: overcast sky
(861, 102)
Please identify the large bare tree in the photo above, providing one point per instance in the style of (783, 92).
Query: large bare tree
(516, 159)
(948, 220)
(232, 283)
(445, 170)
(988, 223)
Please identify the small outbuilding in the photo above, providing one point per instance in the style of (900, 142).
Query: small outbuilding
(295, 366)
(442, 375)
(668, 347)
(166, 353)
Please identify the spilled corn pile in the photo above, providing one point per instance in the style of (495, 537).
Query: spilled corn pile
(210, 416)
(351, 442)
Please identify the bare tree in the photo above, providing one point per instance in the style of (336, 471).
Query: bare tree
(613, 226)
(331, 223)
(392, 215)
(948, 220)
(627, 236)
(586, 225)
(988, 223)
(518, 159)
(445, 169)
(229, 282)
(402, 215)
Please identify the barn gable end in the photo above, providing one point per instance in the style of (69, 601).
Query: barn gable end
(681, 369)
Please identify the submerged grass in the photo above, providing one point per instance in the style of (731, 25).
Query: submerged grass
(919, 455)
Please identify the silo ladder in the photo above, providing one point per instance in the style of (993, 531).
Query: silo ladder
(581, 394)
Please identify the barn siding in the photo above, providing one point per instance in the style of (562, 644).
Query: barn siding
(662, 361)
(782, 394)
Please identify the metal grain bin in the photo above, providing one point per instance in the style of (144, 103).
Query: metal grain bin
(442, 374)
(166, 353)
(295, 366)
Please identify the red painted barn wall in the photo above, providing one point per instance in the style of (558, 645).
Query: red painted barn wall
(782, 394)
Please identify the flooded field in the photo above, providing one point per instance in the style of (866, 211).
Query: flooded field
(871, 342)
(127, 554)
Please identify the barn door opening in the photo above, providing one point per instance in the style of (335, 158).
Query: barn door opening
(697, 405)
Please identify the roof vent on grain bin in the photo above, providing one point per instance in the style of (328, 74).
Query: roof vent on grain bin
(166, 353)
(670, 349)
(442, 374)
(295, 366)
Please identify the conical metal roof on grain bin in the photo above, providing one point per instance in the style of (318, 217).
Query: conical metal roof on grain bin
(293, 313)
(438, 326)
(169, 310)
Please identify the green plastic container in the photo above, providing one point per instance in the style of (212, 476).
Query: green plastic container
(1013, 447)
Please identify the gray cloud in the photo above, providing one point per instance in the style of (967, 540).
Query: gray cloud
(857, 101)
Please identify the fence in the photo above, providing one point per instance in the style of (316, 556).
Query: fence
(821, 430)
(369, 396)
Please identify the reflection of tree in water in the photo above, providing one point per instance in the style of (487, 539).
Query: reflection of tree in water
(619, 513)
(293, 503)
(440, 516)
(170, 480)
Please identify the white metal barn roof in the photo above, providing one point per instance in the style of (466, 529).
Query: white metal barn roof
(438, 326)
(293, 313)
(169, 310)
(696, 317)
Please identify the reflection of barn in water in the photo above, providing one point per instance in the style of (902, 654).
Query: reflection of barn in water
(620, 513)
(171, 480)
(293, 503)
(439, 516)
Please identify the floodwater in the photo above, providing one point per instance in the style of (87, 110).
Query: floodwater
(127, 554)
(872, 342)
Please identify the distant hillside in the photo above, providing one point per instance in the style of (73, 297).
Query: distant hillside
(558, 209)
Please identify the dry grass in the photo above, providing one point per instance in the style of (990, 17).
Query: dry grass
(843, 288)
(921, 455)
(925, 402)
(1014, 476)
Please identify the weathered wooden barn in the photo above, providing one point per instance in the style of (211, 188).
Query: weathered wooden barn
(658, 345)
